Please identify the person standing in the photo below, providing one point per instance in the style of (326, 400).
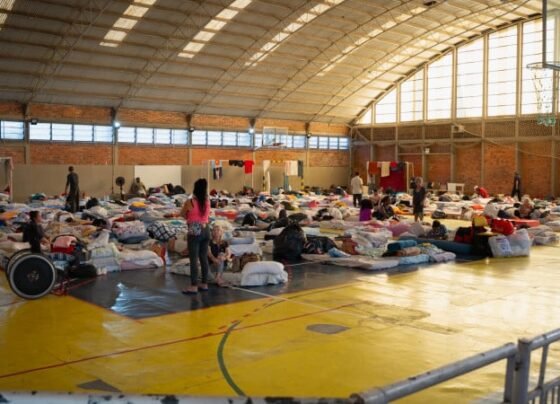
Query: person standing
(516, 190)
(196, 211)
(72, 190)
(418, 197)
(356, 188)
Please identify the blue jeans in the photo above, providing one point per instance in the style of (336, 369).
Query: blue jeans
(198, 251)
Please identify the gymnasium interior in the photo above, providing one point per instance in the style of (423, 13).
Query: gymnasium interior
(281, 106)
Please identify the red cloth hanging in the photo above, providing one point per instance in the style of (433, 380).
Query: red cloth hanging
(248, 164)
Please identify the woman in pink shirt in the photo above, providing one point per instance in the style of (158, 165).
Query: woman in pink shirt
(196, 211)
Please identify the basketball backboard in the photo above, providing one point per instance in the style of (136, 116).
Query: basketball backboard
(551, 34)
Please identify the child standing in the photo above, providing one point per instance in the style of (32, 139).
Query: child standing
(219, 254)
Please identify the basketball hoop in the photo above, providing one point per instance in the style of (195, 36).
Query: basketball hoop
(546, 85)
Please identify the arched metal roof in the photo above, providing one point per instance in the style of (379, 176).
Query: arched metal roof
(321, 60)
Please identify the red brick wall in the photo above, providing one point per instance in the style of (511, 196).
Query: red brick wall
(261, 155)
(16, 152)
(535, 168)
(416, 160)
(55, 153)
(385, 153)
(438, 167)
(329, 158)
(359, 158)
(69, 113)
(467, 166)
(150, 155)
(499, 166)
(199, 156)
(325, 128)
(220, 122)
(141, 117)
(11, 110)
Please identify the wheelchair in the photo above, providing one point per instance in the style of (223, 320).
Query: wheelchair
(34, 275)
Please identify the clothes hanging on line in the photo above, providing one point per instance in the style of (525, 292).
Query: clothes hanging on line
(300, 168)
(373, 169)
(385, 168)
(248, 164)
(236, 163)
(216, 166)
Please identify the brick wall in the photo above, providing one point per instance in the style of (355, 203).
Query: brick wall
(416, 160)
(438, 168)
(467, 166)
(220, 122)
(139, 117)
(385, 153)
(329, 158)
(150, 155)
(499, 166)
(261, 155)
(55, 153)
(69, 113)
(535, 168)
(11, 110)
(16, 152)
(359, 158)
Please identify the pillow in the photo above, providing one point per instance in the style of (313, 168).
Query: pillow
(262, 273)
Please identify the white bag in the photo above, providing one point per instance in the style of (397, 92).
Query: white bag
(500, 246)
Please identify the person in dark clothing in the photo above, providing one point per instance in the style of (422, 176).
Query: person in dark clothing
(34, 233)
(516, 190)
(418, 197)
(72, 190)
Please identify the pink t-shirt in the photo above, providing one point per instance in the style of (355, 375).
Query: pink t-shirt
(195, 215)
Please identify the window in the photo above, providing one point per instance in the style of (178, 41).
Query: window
(103, 134)
(386, 108)
(83, 133)
(214, 138)
(180, 136)
(299, 142)
(343, 143)
(127, 135)
(532, 53)
(365, 119)
(41, 131)
(244, 139)
(258, 139)
(412, 91)
(333, 143)
(502, 72)
(323, 142)
(439, 88)
(313, 142)
(12, 130)
(229, 138)
(162, 136)
(144, 135)
(61, 132)
(199, 137)
(470, 65)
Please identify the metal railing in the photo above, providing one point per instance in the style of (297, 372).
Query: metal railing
(423, 381)
(544, 392)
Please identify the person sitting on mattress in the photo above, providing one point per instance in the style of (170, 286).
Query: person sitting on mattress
(482, 192)
(384, 210)
(438, 231)
(525, 209)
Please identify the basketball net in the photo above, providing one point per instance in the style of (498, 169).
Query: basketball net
(545, 81)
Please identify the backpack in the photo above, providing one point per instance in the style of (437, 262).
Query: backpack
(464, 235)
(502, 226)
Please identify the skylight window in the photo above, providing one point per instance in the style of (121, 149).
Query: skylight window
(5, 7)
(212, 27)
(304, 18)
(126, 23)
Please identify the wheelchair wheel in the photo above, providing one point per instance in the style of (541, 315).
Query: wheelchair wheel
(31, 275)
(13, 258)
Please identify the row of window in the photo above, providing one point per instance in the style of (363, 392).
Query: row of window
(428, 94)
(14, 130)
